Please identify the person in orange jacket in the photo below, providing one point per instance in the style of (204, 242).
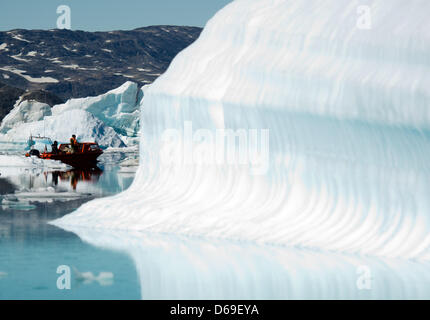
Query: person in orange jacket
(74, 144)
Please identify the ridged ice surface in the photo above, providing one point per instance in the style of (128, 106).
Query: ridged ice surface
(346, 166)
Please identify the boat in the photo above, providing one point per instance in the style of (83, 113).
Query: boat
(85, 155)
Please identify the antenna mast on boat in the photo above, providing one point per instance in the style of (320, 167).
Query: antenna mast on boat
(44, 133)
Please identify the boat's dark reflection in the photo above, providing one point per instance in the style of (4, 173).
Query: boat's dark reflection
(89, 175)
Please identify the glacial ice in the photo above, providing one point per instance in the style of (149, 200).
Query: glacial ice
(111, 119)
(14, 162)
(61, 127)
(347, 111)
(24, 112)
(118, 108)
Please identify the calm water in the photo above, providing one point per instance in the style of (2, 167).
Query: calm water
(31, 250)
(133, 265)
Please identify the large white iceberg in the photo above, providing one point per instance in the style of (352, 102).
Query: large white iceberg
(337, 112)
(111, 119)
(83, 124)
(118, 108)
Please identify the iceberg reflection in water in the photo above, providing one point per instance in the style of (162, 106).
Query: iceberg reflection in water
(173, 267)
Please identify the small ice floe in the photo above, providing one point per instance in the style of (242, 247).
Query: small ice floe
(128, 170)
(30, 162)
(13, 165)
(129, 165)
(103, 278)
(130, 149)
(47, 195)
(7, 204)
(48, 164)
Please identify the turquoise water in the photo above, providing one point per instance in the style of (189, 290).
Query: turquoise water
(31, 250)
(114, 264)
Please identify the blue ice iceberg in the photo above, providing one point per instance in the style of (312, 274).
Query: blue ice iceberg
(325, 106)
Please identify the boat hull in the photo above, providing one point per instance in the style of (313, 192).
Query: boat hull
(76, 160)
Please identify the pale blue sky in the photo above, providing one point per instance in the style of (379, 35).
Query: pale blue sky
(102, 15)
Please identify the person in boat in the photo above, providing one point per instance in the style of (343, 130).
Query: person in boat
(74, 144)
(54, 147)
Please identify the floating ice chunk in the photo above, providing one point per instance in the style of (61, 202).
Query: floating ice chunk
(15, 204)
(14, 161)
(118, 108)
(44, 196)
(61, 126)
(132, 149)
(103, 278)
(129, 165)
(130, 162)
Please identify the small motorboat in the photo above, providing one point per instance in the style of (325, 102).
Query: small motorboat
(85, 155)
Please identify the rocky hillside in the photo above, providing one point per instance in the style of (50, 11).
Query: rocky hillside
(75, 64)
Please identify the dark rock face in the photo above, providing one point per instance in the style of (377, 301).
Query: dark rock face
(80, 64)
(55, 65)
(42, 96)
